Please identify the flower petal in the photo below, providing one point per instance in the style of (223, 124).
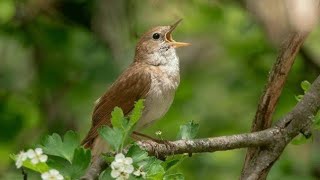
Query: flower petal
(128, 160)
(54, 172)
(43, 158)
(119, 157)
(128, 169)
(115, 173)
(31, 154)
(35, 161)
(38, 151)
(45, 175)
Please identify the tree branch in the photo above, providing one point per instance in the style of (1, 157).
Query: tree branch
(299, 119)
(273, 89)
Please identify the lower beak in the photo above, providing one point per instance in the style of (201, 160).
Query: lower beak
(172, 42)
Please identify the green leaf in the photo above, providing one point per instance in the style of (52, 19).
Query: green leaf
(53, 145)
(299, 97)
(305, 85)
(117, 118)
(172, 162)
(177, 176)
(316, 121)
(155, 172)
(136, 112)
(106, 175)
(188, 131)
(300, 139)
(137, 154)
(114, 136)
(76, 168)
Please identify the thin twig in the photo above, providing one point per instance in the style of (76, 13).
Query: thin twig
(24, 174)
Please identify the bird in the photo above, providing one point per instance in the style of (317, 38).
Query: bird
(154, 75)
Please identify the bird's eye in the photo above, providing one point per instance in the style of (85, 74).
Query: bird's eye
(156, 36)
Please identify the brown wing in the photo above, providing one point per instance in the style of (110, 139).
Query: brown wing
(131, 86)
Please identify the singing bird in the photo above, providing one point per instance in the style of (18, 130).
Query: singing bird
(153, 76)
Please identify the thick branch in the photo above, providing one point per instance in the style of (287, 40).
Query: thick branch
(213, 144)
(299, 119)
(277, 78)
(273, 89)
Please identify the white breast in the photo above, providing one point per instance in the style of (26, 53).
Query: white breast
(165, 80)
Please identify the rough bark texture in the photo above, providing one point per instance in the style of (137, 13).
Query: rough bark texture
(273, 89)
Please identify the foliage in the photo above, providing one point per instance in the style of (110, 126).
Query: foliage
(71, 160)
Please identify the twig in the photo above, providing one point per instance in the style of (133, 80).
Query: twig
(273, 89)
(24, 174)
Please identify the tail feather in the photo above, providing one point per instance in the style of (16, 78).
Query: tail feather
(97, 146)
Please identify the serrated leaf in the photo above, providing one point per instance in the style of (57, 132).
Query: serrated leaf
(177, 176)
(136, 112)
(305, 85)
(155, 172)
(117, 118)
(114, 136)
(54, 145)
(76, 168)
(173, 162)
(188, 131)
(137, 154)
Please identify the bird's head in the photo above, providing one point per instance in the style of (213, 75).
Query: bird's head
(156, 46)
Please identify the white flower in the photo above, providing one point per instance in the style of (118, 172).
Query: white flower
(22, 156)
(121, 167)
(36, 156)
(158, 133)
(139, 172)
(52, 174)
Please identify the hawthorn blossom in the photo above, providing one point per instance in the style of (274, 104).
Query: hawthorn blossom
(52, 174)
(139, 172)
(36, 156)
(121, 167)
(21, 157)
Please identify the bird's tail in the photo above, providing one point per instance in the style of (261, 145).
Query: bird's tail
(97, 146)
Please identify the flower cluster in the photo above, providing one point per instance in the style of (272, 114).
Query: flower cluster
(122, 168)
(35, 157)
(52, 174)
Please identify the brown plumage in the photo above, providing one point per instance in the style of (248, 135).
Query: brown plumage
(133, 85)
(153, 76)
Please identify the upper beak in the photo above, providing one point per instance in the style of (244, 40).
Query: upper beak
(169, 39)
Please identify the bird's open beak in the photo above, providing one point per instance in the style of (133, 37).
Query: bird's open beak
(169, 39)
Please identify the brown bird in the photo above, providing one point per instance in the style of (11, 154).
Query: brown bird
(153, 76)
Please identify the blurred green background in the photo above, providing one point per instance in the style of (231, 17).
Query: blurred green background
(58, 56)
